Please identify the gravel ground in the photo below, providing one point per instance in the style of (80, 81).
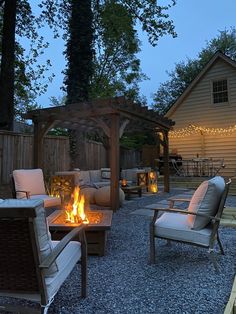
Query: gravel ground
(182, 281)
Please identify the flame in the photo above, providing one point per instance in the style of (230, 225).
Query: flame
(153, 188)
(152, 175)
(123, 182)
(75, 213)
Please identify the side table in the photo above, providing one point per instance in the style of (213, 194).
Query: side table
(133, 189)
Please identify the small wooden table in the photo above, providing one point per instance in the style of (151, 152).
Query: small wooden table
(96, 233)
(133, 189)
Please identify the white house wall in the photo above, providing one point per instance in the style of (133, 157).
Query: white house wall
(197, 108)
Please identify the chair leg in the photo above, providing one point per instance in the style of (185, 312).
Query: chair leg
(213, 259)
(220, 244)
(168, 243)
(152, 246)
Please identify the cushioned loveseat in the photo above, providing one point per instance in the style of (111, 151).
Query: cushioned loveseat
(99, 178)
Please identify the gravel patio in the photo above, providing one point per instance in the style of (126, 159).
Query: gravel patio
(182, 281)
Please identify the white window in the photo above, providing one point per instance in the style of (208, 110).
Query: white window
(220, 91)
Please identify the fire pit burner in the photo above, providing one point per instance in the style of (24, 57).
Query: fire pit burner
(93, 218)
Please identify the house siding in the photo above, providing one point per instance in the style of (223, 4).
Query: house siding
(197, 108)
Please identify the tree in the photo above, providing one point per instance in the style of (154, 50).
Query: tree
(79, 51)
(7, 65)
(185, 72)
(115, 64)
(20, 80)
(116, 67)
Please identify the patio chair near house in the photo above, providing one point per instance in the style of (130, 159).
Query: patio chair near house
(32, 267)
(179, 170)
(196, 226)
(29, 184)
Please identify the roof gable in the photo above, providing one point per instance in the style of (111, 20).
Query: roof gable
(216, 57)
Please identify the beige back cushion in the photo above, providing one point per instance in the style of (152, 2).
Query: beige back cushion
(206, 200)
(42, 233)
(95, 175)
(29, 180)
(84, 177)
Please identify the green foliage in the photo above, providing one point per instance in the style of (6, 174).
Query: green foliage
(136, 141)
(152, 17)
(30, 78)
(185, 72)
(114, 70)
(116, 67)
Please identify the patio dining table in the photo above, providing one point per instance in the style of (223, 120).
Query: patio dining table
(200, 167)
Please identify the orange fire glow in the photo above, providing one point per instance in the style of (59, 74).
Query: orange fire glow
(75, 212)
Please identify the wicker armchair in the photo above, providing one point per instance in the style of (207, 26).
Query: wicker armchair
(33, 267)
(29, 183)
(196, 226)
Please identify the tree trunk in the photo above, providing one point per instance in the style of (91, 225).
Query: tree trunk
(7, 66)
(79, 71)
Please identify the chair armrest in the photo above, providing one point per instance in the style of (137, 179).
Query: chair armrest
(172, 200)
(47, 262)
(27, 193)
(184, 212)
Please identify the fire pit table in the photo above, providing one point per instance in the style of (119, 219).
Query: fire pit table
(96, 229)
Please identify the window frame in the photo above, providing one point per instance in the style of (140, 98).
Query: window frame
(212, 93)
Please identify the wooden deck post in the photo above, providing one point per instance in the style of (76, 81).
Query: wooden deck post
(166, 161)
(114, 161)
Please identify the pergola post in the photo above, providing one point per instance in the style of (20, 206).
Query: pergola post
(166, 161)
(38, 146)
(40, 129)
(114, 161)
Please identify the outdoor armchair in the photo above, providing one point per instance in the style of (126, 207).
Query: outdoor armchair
(29, 183)
(32, 266)
(198, 225)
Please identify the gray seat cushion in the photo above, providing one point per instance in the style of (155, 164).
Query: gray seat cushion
(65, 262)
(176, 227)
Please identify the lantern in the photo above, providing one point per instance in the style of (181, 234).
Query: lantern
(123, 182)
(142, 179)
(152, 182)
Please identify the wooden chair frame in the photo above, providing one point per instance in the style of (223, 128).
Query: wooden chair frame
(214, 220)
(19, 253)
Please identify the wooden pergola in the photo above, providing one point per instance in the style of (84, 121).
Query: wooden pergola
(112, 116)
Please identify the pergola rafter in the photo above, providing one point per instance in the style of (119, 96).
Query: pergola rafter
(111, 115)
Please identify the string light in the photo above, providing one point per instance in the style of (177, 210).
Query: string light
(194, 129)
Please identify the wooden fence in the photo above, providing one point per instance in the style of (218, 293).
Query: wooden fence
(130, 158)
(16, 152)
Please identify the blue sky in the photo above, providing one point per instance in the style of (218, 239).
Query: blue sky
(196, 21)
